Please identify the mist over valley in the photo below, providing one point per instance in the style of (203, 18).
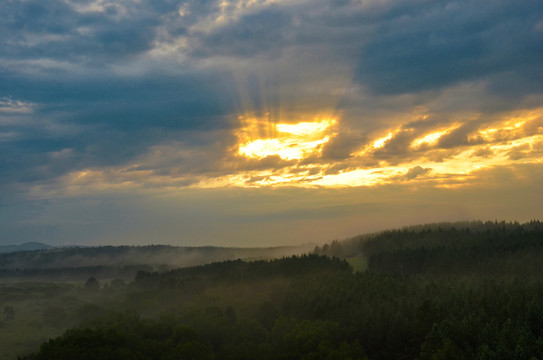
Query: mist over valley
(403, 293)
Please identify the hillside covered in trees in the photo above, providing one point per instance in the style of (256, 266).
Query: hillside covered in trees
(475, 293)
(79, 263)
(472, 248)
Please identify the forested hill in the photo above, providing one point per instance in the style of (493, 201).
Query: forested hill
(29, 246)
(489, 248)
(240, 271)
(78, 263)
(308, 307)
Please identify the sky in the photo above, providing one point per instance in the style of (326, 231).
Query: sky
(257, 123)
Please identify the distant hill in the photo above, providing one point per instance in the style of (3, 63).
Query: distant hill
(29, 246)
(153, 255)
(124, 261)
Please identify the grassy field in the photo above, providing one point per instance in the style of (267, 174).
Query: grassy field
(33, 312)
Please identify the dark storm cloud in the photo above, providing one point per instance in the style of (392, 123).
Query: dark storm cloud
(127, 99)
(55, 30)
(108, 122)
(90, 112)
(265, 32)
(428, 45)
(313, 28)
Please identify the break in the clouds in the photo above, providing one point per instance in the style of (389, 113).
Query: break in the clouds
(100, 98)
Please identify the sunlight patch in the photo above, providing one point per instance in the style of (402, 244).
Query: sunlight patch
(288, 141)
(432, 138)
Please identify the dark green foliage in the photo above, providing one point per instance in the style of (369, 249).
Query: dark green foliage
(497, 249)
(238, 270)
(117, 284)
(267, 314)
(92, 284)
(9, 313)
(127, 337)
(453, 249)
(428, 306)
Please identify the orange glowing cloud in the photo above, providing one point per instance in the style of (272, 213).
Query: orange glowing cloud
(269, 154)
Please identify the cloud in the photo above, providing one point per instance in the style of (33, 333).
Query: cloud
(459, 136)
(57, 31)
(11, 106)
(423, 46)
(519, 152)
(262, 33)
(484, 152)
(396, 146)
(342, 146)
(416, 171)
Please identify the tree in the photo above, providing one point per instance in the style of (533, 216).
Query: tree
(92, 284)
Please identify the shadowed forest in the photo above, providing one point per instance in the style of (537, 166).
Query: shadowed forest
(442, 291)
